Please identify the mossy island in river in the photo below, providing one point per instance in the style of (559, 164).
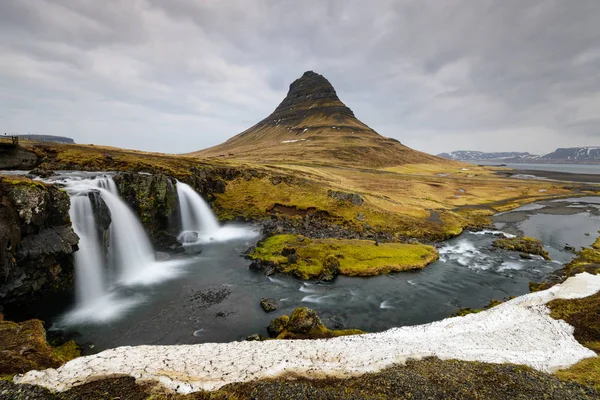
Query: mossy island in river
(324, 259)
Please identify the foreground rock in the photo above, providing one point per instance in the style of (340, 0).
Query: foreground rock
(525, 245)
(304, 323)
(430, 378)
(23, 348)
(37, 241)
(324, 259)
(519, 331)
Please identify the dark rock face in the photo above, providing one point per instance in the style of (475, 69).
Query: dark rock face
(166, 242)
(36, 241)
(353, 198)
(17, 158)
(102, 217)
(309, 95)
(153, 198)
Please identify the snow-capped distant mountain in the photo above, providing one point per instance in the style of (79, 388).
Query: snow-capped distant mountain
(574, 155)
(469, 155)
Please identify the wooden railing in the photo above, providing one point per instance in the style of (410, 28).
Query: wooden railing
(14, 140)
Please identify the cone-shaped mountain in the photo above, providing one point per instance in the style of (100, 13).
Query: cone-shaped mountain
(313, 125)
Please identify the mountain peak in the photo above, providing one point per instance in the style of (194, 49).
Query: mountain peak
(312, 124)
(310, 95)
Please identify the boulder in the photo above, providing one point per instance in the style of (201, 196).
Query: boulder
(353, 198)
(331, 268)
(304, 323)
(277, 325)
(268, 305)
(164, 241)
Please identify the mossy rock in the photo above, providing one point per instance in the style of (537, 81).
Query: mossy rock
(323, 259)
(24, 348)
(461, 312)
(526, 245)
(304, 323)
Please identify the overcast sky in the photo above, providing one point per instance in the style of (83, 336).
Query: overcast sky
(181, 75)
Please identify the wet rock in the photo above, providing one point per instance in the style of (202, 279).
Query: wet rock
(526, 256)
(269, 305)
(167, 242)
(353, 198)
(304, 323)
(303, 320)
(522, 244)
(152, 197)
(277, 325)
(36, 241)
(103, 219)
(40, 172)
(570, 249)
(162, 256)
(255, 338)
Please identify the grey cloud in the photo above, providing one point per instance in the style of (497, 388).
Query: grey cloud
(432, 74)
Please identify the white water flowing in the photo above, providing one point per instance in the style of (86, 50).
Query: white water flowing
(199, 223)
(90, 282)
(130, 249)
(196, 215)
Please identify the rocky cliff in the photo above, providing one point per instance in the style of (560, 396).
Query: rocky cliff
(152, 197)
(36, 241)
(16, 157)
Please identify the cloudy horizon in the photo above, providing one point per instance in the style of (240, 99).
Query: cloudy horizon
(181, 75)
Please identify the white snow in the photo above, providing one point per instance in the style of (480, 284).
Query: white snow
(519, 331)
(292, 141)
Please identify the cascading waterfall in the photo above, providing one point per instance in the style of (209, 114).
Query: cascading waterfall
(130, 255)
(199, 223)
(130, 251)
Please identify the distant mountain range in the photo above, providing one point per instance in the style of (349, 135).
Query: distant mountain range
(573, 155)
(47, 138)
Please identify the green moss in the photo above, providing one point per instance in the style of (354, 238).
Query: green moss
(522, 244)
(356, 257)
(466, 311)
(585, 372)
(66, 352)
(304, 323)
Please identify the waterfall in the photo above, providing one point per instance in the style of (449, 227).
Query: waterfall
(196, 215)
(130, 250)
(199, 223)
(90, 280)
